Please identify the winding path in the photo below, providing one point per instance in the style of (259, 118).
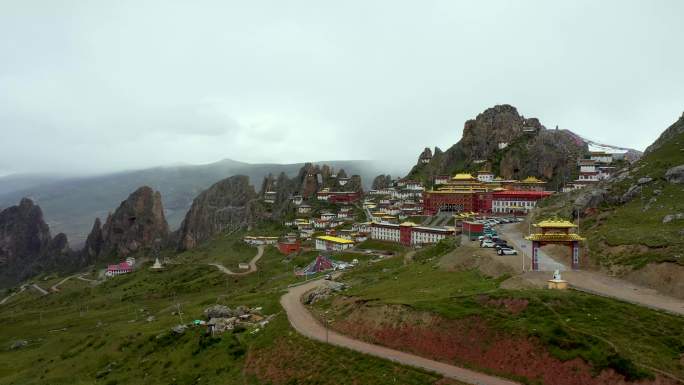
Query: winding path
(21, 290)
(302, 321)
(252, 264)
(56, 286)
(40, 289)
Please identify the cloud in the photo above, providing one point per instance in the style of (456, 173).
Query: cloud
(129, 84)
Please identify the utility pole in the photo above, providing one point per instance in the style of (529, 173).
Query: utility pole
(325, 319)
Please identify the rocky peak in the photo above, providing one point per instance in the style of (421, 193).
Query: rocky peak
(381, 182)
(425, 156)
(26, 246)
(94, 242)
(228, 205)
(137, 223)
(492, 128)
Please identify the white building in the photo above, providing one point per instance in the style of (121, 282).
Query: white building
(601, 157)
(270, 196)
(297, 200)
(385, 232)
(408, 233)
(260, 240)
(330, 243)
(304, 209)
(485, 176)
(441, 179)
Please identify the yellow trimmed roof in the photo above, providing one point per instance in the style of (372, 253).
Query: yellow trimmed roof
(408, 223)
(463, 176)
(554, 237)
(531, 179)
(330, 238)
(555, 223)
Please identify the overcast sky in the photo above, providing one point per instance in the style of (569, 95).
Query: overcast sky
(91, 86)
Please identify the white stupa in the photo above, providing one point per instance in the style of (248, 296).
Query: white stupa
(157, 265)
(557, 282)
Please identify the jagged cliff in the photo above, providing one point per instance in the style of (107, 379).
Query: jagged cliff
(381, 182)
(511, 146)
(310, 180)
(26, 247)
(138, 223)
(229, 204)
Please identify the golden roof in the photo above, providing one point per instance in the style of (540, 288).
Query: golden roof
(555, 223)
(554, 237)
(463, 176)
(532, 179)
(334, 239)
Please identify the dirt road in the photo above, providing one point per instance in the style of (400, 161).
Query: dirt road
(40, 289)
(56, 286)
(252, 264)
(23, 287)
(594, 282)
(306, 324)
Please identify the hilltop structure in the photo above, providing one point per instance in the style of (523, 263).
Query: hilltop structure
(484, 194)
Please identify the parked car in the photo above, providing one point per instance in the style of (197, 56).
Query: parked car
(507, 251)
(487, 243)
(327, 277)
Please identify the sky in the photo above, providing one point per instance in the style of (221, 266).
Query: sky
(100, 86)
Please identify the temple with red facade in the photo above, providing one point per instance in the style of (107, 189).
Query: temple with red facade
(466, 193)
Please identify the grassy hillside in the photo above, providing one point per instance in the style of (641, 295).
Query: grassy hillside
(633, 234)
(391, 302)
(100, 335)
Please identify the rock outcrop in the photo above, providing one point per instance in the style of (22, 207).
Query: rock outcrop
(675, 174)
(26, 246)
(137, 224)
(494, 128)
(228, 205)
(513, 146)
(670, 133)
(381, 181)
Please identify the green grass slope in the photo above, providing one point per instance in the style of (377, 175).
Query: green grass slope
(633, 234)
(100, 334)
(634, 341)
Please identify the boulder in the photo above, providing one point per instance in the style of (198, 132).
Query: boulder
(335, 286)
(179, 329)
(316, 295)
(218, 311)
(632, 192)
(671, 217)
(591, 198)
(644, 180)
(675, 174)
(18, 344)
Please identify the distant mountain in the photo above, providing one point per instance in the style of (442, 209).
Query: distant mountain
(630, 154)
(71, 205)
